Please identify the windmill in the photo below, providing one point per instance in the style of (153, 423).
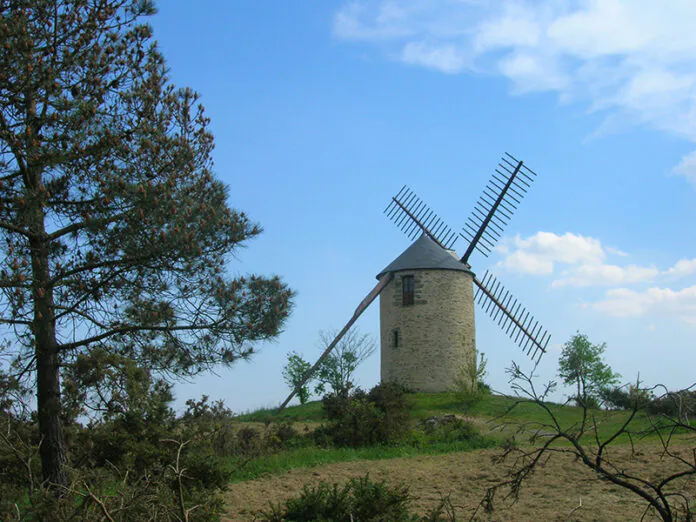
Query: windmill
(426, 294)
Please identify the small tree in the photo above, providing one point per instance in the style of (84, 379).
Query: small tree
(469, 385)
(338, 368)
(294, 374)
(581, 365)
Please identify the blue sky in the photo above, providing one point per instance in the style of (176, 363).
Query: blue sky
(323, 110)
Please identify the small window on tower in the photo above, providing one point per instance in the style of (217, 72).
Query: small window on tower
(395, 338)
(407, 289)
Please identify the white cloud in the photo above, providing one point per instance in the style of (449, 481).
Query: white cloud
(446, 58)
(682, 268)
(348, 23)
(539, 253)
(653, 302)
(633, 59)
(527, 263)
(532, 72)
(516, 26)
(606, 275)
(615, 251)
(687, 167)
(579, 261)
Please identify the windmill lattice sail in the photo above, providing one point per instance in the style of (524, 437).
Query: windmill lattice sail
(414, 217)
(495, 207)
(512, 317)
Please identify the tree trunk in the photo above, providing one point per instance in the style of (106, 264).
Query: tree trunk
(53, 448)
(52, 439)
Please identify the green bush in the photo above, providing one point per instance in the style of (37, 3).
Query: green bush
(249, 442)
(448, 428)
(128, 461)
(360, 500)
(469, 386)
(214, 421)
(622, 398)
(337, 404)
(127, 496)
(679, 405)
(394, 405)
(364, 419)
(281, 436)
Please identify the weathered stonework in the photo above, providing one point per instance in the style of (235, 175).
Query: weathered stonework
(424, 346)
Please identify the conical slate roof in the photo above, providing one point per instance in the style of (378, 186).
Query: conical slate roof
(424, 253)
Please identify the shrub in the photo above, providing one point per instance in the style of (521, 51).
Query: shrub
(358, 500)
(680, 405)
(354, 423)
(363, 419)
(390, 397)
(191, 481)
(126, 460)
(249, 441)
(622, 398)
(337, 404)
(448, 428)
(588, 401)
(213, 421)
(393, 403)
(469, 387)
(279, 436)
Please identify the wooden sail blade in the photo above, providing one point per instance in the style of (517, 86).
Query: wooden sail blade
(381, 284)
(413, 217)
(497, 204)
(511, 316)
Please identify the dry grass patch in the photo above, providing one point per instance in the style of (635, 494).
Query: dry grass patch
(553, 493)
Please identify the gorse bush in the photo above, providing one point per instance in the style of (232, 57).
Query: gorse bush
(281, 436)
(680, 405)
(134, 460)
(249, 441)
(626, 398)
(363, 419)
(359, 500)
(448, 429)
(182, 481)
(394, 405)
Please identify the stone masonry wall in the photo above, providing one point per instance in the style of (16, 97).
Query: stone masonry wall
(436, 335)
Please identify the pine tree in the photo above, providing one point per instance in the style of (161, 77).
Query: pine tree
(114, 231)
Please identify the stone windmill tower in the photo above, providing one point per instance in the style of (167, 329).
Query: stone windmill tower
(426, 318)
(427, 293)
(427, 309)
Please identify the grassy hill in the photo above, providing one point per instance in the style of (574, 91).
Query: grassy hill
(493, 411)
(496, 417)
(463, 468)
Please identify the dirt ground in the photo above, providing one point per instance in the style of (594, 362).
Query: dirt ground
(561, 490)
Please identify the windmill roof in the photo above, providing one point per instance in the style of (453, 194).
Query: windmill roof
(424, 253)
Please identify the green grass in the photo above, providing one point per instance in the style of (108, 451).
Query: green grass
(312, 456)
(310, 412)
(494, 410)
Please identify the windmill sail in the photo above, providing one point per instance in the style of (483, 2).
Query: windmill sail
(494, 209)
(499, 200)
(512, 317)
(414, 217)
